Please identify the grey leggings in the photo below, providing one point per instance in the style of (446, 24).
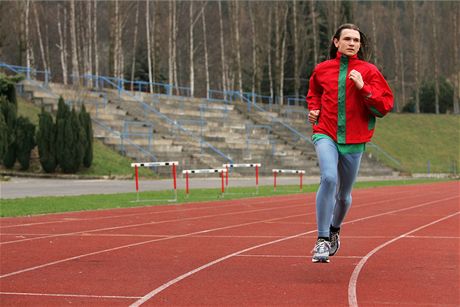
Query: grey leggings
(338, 173)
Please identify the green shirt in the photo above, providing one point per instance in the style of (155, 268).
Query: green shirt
(342, 148)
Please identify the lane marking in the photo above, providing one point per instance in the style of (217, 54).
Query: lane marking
(151, 223)
(179, 220)
(352, 297)
(182, 206)
(69, 295)
(135, 244)
(157, 290)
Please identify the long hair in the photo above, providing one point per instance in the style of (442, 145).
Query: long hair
(364, 51)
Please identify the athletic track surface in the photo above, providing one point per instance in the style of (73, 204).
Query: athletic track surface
(400, 246)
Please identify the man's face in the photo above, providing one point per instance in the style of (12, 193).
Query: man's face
(349, 42)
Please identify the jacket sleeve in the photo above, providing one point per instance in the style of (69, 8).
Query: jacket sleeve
(314, 93)
(378, 96)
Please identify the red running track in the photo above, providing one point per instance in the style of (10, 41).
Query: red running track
(400, 246)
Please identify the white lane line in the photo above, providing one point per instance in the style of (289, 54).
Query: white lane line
(207, 265)
(137, 244)
(69, 295)
(66, 219)
(352, 297)
(179, 220)
(151, 223)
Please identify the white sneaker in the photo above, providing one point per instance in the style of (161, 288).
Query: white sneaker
(321, 251)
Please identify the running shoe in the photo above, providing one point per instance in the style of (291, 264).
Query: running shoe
(335, 242)
(321, 251)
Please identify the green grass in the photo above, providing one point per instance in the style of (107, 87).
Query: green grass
(44, 205)
(418, 139)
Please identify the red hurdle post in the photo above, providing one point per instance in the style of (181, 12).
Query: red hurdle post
(136, 172)
(186, 184)
(174, 177)
(274, 181)
(257, 179)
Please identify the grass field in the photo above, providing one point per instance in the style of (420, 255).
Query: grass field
(420, 141)
(43, 205)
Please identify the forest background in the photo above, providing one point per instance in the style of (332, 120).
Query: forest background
(264, 47)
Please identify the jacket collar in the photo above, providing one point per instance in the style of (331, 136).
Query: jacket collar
(339, 55)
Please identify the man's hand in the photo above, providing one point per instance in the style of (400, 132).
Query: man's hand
(356, 77)
(313, 116)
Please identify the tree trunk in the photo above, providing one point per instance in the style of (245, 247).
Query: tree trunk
(149, 50)
(170, 42)
(73, 38)
(62, 42)
(282, 56)
(315, 35)
(40, 38)
(269, 48)
(435, 58)
(133, 65)
(416, 55)
(296, 49)
(222, 47)
(95, 41)
(254, 50)
(237, 46)
(456, 77)
(374, 33)
(396, 49)
(205, 46)
(192, 72)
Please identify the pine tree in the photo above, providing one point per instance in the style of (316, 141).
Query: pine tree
(3, 136)
(9, 112)
(72, 151)
(25, 141)
(62, 117)
(85, 121)
(46, 141)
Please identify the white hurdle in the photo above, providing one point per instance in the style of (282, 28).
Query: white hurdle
(173, 165)
(203, 171)
(289, 171)
(246, 165)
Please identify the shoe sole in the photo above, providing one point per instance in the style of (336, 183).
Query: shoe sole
(320, 260)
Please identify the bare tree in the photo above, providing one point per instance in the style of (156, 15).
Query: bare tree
(95, 42)
(222, 46)
(133, 65)
(149, 50)
(254, 50)
(62, 42)
(192, 50)
(73, 39)
(456, 75)
(269, 48)
(283, 51)
(315, 35)
(205, 47)
(416, 56)
(237, 45)
(435, 58)
(296, 48)
(40, 38)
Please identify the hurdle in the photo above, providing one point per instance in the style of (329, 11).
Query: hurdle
(203, 171)
(288, 171)
(173, 165)
(256, 166)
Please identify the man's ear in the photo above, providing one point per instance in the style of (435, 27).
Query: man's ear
(336, 42)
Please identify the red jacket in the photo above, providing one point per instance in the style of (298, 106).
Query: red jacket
(347, 114)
